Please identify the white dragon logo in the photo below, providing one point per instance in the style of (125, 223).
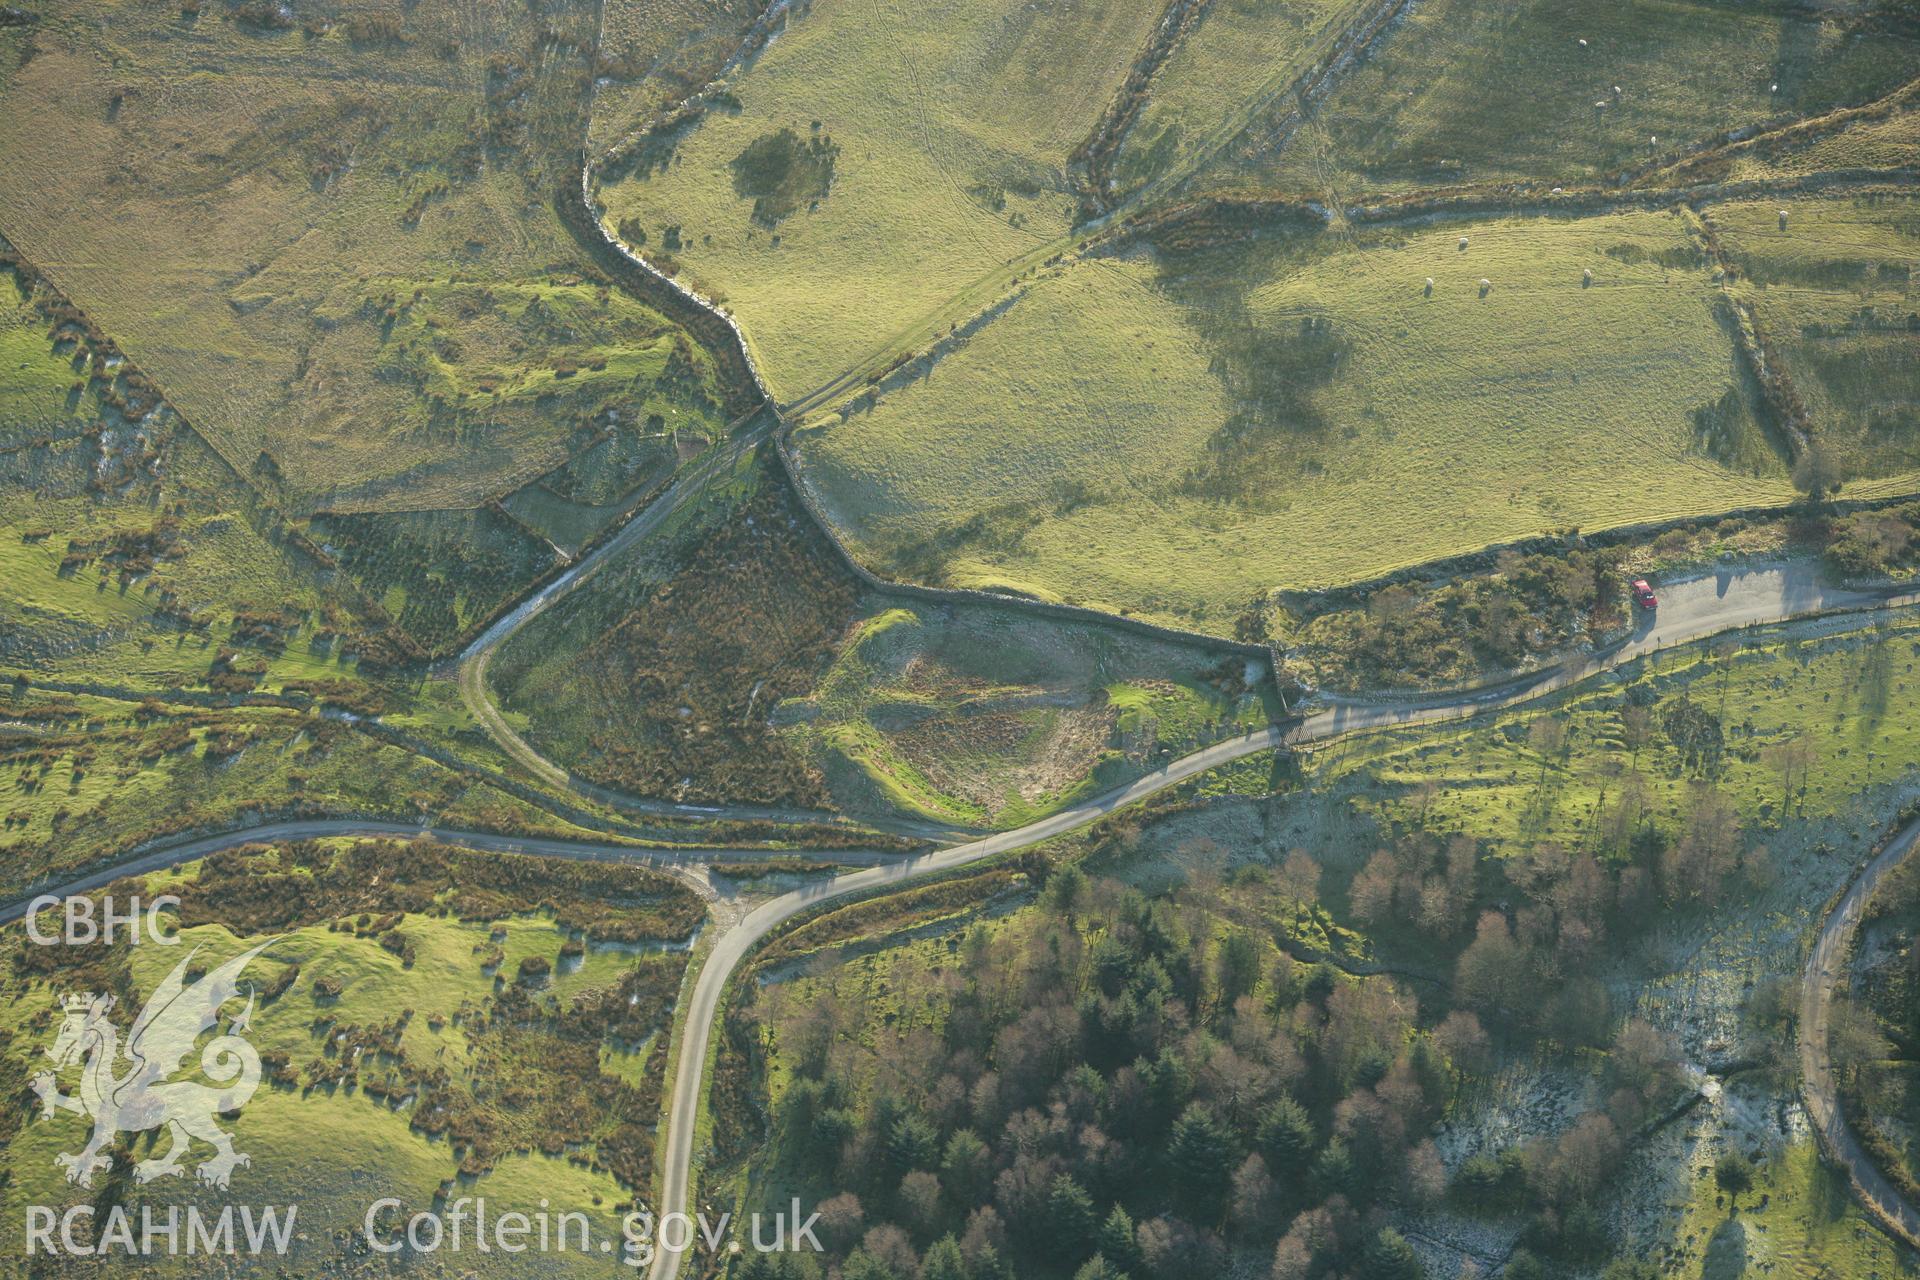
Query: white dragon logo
(140, 1098)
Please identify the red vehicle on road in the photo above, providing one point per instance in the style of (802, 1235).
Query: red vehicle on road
(1643, 593)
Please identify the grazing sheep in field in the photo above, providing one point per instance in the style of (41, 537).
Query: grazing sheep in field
(1586, 278)
(1463, 244)
(1783, 219)
(1428, 291)
(1486, 286)
(1583, 42)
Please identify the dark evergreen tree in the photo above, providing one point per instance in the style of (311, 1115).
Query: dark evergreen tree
(1070, 1222)
(1334, 1172)
(1389, 1257)
(1286, 1140)
(1116, 1240)
(944, 1261)
(1201, 1159)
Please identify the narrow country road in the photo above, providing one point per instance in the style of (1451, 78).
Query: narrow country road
(479, 654)
(473, 664)
(1689, 611)
(1819, 1087)
(1726, 600)
(161, 857)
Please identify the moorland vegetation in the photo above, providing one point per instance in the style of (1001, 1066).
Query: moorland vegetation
(485, 1020)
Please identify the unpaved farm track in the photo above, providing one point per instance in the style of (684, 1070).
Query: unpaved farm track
(1819, 1089)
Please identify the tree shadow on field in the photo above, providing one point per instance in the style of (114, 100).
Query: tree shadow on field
(1727, 1253)
(1793, 59)
(1271, 366)
(1828, 1196)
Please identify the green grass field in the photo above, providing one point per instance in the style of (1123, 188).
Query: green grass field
(37, 388)
(129, 548)
(1849, 699)
(1800, 1222)
(1887, 143)
(122, 529)
(248, 204)
(1835, 292)
(952, 124)
(1168, 435)
(1232, 51)
(1476, 91)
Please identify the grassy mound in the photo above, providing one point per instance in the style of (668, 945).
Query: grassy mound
(735, 659)
(983, 717)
